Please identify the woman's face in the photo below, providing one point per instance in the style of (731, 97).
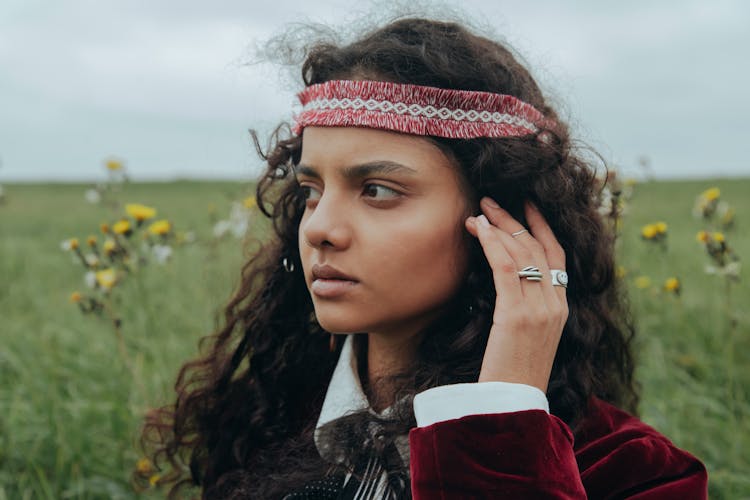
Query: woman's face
(385, 209)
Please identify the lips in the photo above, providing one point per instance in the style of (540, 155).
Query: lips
(329, 283)
(329, 272)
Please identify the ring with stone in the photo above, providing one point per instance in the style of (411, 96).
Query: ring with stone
(559, 278)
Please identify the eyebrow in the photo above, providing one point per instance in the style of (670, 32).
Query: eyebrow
(356, 172)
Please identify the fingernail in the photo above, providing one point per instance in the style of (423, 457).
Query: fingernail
(483, 221)
(490, 202)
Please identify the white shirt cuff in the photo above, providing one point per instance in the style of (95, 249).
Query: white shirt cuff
(447, 402)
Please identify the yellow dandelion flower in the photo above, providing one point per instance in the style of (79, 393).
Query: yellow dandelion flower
(113, 165)
(91, 241)
(122, 227)
(160, 227)
(620, 272)
(672, 285)
(140, 212)
(154, 480)
(104, 228)
(250, 202)
(144, 466)
(718, 237)
(109, 246)
(649, 231)
(702, 236)
(711, 194)
(76, 297)
(106, 278)
(642, 282)
(661, 227)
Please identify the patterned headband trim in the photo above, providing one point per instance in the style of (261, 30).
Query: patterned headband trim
(416, 109)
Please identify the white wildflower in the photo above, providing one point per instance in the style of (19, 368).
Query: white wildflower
(90, 279)
(239, 219)
(221, 228)
(731, 270)
(238, 222)
(93, 196)
(162, 253)
(239, 228)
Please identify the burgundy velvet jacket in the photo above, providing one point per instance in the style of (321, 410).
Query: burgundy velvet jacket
(531, 454)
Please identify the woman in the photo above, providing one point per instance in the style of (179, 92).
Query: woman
(409, 329)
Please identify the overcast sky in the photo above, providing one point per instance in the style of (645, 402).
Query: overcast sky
(163, 84)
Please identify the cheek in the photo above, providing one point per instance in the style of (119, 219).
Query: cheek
(423, 254)
(305, 251)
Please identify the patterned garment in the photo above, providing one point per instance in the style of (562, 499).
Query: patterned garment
(344, 396)
(374, 485)
(329, 488)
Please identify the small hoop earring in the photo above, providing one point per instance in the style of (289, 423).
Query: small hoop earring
(288, 264)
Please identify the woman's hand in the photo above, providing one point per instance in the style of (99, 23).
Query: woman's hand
(529, 316)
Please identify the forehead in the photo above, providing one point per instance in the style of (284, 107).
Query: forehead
(333, 147)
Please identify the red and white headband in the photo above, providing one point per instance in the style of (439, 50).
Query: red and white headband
(416, 109)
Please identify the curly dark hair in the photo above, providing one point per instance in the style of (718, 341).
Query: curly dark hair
(245, 411)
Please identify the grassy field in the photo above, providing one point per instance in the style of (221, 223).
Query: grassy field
(70, 407)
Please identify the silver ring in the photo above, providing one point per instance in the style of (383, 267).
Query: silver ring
(559, 278)
(531, 273)
(519, 232)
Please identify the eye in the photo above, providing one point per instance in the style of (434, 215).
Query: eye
(306, 191)
(372, 189)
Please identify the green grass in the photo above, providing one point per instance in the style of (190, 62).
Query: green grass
(70, 409)
(691, 360)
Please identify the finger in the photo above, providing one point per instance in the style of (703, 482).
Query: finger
(505, 221)
(500, 217)
(527, 251)
(504, 267)
(544, 235)
(555, 255)
(531, 290)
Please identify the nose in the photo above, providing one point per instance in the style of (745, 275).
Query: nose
(328, 223)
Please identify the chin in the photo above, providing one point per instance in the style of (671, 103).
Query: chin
(340, 321)
(340, 325)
